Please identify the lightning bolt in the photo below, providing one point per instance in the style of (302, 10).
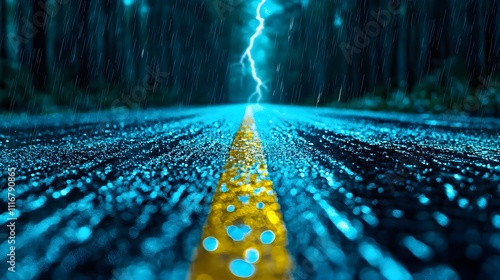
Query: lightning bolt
(248, 55)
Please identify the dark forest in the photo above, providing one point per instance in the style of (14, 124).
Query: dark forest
(412, 56)
(250, 139)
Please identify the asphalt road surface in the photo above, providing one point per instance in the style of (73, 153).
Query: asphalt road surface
(301, 193)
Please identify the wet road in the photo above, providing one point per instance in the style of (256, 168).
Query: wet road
(362, 195)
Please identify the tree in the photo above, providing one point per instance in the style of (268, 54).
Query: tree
(3, 40)
(110, 71)
(39, 51)
(83, 44)
(491, 30)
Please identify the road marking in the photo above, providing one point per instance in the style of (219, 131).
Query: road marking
(244, 235)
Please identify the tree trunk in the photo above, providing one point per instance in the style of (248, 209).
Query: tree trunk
(3, 38)
(3, 43)
(39, 54)
(492, 43)
(110, 50)
(84, 48)
(401, 25)
(472, 33)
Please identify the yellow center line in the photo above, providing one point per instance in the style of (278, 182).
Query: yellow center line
(244, 235)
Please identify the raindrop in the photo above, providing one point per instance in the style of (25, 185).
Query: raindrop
(495, 220)
(418, 248)
(441, 218)
(463, 202)
(241, 268)
(252, 255)
(210, 243)
(244, 198)
(397, 213)
(83, 234)
(238, 233)
(451, 193)
(482, 202)
(267, 237)
(423, 199)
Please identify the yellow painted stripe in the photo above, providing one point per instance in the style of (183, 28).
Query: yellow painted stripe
(256, 217)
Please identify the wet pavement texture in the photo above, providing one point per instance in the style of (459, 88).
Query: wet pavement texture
(363, 195)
